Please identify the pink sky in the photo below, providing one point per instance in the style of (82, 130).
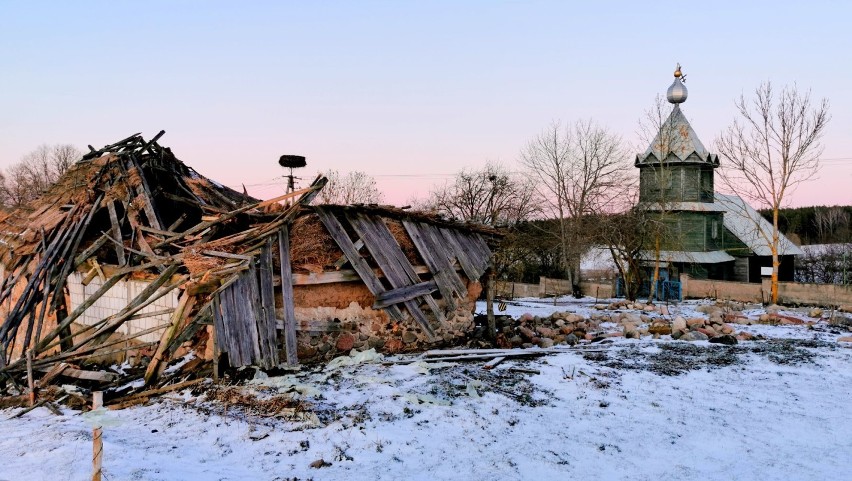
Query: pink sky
(407, 92)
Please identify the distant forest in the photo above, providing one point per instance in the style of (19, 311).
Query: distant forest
(815, 224)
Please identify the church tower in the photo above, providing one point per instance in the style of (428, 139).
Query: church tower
(676, 187)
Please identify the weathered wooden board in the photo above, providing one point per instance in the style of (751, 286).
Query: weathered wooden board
(266, 321)
(244, 330)
(439, 263)
(371, 280)
(390, 258)
(289, 331)
(403, 294)
(466, 258)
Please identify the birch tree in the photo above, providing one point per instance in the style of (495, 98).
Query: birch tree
(771, 147)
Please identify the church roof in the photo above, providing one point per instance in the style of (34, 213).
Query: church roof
(751, 228)
(676, 140)
(711, 257)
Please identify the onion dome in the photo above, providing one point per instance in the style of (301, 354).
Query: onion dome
(677, 92)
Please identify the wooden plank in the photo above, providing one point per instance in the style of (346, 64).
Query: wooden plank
(403, 294)
(339, 263)
(345, 275)
(152, 371)
(227, 255)
(370, 279)
(83, 256)
(476, 244)
(325, 277)
(219, 334)
(251, 298)
(313, 325)
(116, 233)
(468, 266)
(266, 322)
(222, 314)
(493, 363)
(441, 246)
(449, 283)
(380, 248)
(394, 253)
(151, 230)
(289, 331)
(144, 191)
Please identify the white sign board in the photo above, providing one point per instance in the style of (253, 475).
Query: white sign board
(766, 271)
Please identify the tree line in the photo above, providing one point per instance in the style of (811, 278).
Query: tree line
(28, 178)
(573, 186)
(816, 224)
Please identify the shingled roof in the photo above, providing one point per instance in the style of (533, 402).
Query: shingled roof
(676, 142)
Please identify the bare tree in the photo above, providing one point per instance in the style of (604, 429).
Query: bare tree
(772, 147)
(830, 220)
(353, 188)
(578, 170)
(626, 235)
(36, 172)
(491, 196)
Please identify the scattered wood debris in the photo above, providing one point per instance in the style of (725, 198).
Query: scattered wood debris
(133, 212)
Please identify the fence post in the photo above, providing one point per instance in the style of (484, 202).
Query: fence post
(97, 438)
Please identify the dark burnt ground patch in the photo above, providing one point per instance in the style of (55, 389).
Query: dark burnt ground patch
(676, 358)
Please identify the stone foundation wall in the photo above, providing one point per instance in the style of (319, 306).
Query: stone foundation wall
(335, 318)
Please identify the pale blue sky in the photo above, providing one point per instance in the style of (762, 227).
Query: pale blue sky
(409, 92)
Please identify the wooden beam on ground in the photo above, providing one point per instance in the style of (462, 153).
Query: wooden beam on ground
(493, 363)
(151, 371)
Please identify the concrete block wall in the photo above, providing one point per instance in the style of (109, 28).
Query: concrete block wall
(734, 291)
(115, 299)
(550, 287)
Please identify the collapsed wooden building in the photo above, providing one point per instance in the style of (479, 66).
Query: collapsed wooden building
(133, 256)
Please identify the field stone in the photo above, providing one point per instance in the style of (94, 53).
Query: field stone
(707, 331)
(679, 324)
(727, 340)
(546, 332)
(571, 339)
(694, 336)
(745, 336)
(844, 339)
(409, 337)
(695, 322)
(545, 342)
(345, 342)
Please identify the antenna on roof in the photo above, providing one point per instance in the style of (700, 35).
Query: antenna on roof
(291, 162)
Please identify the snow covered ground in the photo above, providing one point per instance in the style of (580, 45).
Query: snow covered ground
(630, 410)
